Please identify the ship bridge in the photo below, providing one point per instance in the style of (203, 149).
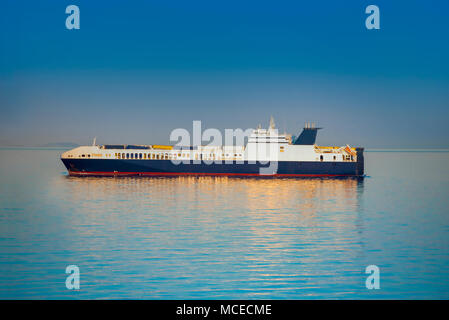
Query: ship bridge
(270, 135)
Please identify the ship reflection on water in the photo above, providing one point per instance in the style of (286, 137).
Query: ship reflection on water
(303, 197)
(222, 234)
(260, 206)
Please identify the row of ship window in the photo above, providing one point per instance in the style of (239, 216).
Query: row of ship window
(166, 156)
(345, 158)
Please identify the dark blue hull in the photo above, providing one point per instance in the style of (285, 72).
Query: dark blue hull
(114, 167)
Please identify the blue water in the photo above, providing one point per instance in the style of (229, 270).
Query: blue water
(218, 237)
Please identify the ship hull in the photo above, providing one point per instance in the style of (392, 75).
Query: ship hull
(115, 167)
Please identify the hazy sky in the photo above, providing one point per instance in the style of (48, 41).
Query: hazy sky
(136, 70)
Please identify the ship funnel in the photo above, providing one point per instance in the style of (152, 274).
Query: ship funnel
(308, 135)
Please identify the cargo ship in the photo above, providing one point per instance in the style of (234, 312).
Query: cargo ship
(266, 153)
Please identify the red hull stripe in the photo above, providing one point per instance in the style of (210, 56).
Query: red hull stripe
(101, 173)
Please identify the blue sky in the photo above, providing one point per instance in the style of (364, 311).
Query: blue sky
(138, 69)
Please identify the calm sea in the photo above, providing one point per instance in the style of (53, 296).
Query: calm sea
(225, 238)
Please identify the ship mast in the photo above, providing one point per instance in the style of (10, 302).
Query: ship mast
(272, 125)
